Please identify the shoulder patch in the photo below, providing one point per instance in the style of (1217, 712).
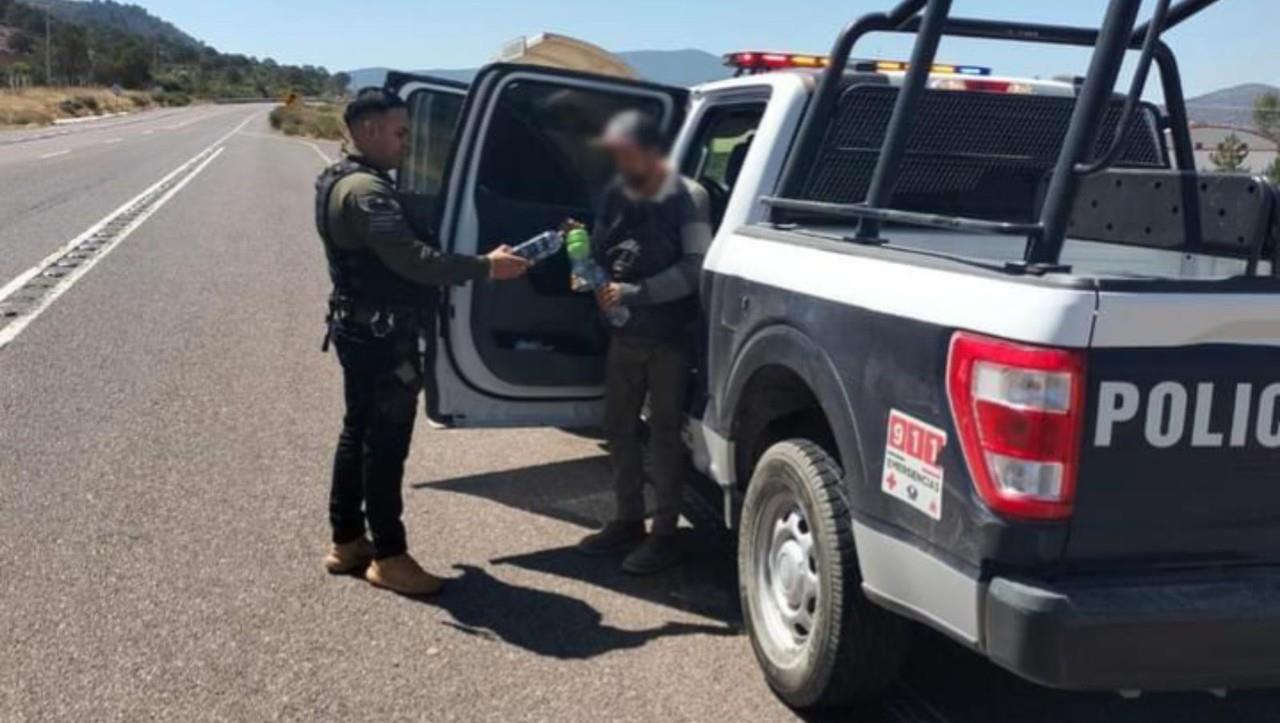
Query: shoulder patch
(383, 213)
(375, 204)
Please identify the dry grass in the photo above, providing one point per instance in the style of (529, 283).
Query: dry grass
(41, 106)
(321, 120)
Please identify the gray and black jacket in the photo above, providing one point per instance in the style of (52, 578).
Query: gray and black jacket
(654, 247)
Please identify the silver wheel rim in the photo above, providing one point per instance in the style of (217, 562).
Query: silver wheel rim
(786, 581)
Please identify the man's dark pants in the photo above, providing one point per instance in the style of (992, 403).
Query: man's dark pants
(636, 368)
(382, 378)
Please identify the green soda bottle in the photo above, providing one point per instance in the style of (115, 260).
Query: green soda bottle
(587, 274)
(578, 244)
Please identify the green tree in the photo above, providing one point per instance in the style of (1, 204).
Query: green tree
(339, 83)
(1229, 156)
(22, 43)
(19, 75)
(1273, 171)
(1266, 115)
(71, 55)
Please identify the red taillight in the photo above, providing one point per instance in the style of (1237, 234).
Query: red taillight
(1019, 411)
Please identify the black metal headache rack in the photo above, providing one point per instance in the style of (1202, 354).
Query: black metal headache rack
(1092, 166)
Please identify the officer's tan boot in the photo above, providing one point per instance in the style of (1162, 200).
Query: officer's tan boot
(402, 574)
(349, 557)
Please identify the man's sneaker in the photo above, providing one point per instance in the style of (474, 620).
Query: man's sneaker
(657, 553)
(404, 575)
(349, 557)
(616, 537)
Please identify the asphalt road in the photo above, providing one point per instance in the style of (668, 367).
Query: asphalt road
(165, 431)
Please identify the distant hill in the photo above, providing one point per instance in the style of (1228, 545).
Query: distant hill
(677, 67)
(1230, 106)
(365, 77)
(105, 42)
(669, 67)
(129, 19)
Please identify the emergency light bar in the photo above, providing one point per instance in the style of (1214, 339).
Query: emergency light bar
(757, 61)
(898, 66)
(752, 61)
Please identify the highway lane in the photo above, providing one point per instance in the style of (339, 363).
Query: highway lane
(165, 430)
(53, 188)
(88, 124)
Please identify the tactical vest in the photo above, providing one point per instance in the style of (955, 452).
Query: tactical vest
(358, 275)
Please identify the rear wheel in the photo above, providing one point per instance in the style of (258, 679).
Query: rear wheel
(817, 637)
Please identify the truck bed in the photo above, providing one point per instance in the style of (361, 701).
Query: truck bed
(1086, 259)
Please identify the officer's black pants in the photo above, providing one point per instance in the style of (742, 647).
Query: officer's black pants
(382, 379)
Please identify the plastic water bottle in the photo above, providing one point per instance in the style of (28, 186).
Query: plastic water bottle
(588, 275)
(540, 247)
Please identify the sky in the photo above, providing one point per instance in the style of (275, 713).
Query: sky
(1235, 41)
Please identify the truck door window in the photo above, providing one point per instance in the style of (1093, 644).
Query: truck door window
(538, 165)
(720, 147)
(433, 119)
(539, 148)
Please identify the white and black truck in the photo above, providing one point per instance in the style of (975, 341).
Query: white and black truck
(981, 352)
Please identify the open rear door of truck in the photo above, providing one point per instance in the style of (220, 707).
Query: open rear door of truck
(529, 352)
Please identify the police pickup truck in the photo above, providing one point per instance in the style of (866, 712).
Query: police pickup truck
(980, 352)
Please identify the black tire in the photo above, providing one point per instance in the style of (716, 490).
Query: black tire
(854, 648)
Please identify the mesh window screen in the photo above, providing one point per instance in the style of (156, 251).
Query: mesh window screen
(982, 155)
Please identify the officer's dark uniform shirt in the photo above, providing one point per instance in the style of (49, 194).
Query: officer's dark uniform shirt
(365, 213)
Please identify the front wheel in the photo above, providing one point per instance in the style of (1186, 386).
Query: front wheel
(817, 637)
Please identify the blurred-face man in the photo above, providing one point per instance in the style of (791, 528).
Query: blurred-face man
(651, 233)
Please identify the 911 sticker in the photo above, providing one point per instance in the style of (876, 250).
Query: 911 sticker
(911, 470)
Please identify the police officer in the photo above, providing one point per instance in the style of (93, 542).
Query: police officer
(651, 233)
(384, 285)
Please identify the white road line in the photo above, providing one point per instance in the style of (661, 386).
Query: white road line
(149, 132)
(188, 122)
(319, 151)
(323, 156)
(14, 328)
(112, 140)
(55, 154)
(11, 332)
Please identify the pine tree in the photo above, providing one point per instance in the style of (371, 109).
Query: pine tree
(1266, 115)
(1229, 156)
(1272, 172)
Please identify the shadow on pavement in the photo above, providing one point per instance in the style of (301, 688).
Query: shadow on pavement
(704, 584)
(578, 492)
(543, 622)
(575, 491)
(941, 683)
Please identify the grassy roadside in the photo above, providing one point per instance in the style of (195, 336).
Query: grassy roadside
(42, 106)
(312, 120)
